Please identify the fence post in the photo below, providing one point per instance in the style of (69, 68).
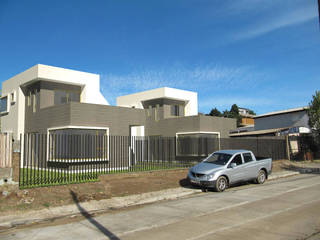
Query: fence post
(288, 149)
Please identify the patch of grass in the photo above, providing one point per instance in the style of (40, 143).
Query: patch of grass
(33, 178)
(46, 204)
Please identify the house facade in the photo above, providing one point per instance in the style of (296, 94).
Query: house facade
(46, 99)
(286, 122)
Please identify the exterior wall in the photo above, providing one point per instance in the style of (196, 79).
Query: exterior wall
(217, 124)
(117, 119)
(14, 120)
(169, 127)
(135, 100)
(293, 119)
(247, 121)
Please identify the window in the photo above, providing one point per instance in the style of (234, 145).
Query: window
(63, 96)
(29, 99)
(174, 110)
(76, 143)
(247, 157)
(13, 97)
(237, 159)
(34, 102)
(4, 105)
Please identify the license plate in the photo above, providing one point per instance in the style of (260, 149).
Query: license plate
(195, 181)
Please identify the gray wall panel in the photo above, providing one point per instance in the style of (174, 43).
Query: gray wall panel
(293, 119)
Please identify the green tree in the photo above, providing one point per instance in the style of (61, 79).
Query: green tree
(252, 112)
(215, 112)
(314, 113)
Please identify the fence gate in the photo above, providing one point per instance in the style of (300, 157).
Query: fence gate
(5, 150)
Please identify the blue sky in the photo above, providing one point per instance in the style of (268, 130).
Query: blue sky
(259, 54)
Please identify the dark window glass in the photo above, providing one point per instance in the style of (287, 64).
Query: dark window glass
(247, 157)
(237, 159)
(61, 97)
(74, 97)
(78, 144)
(219, 158)
(175, 110)
(3, 104)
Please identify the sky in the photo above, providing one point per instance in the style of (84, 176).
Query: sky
(259, 54)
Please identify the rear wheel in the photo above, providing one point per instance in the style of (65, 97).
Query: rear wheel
(221, 184)
(261, 177)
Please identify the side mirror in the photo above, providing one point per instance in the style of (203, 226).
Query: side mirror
(233, 165)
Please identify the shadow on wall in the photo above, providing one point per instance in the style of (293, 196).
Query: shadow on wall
(90, 218)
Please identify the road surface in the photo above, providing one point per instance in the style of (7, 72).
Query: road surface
(282, 209)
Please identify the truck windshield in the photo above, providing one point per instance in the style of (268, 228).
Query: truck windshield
(219, 158)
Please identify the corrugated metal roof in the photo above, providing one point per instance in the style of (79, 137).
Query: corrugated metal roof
(282, 112)
(258, 132)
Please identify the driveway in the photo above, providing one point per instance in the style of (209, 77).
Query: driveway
(282, 209)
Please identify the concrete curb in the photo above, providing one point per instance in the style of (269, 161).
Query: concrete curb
(105, 205)
(282, 174)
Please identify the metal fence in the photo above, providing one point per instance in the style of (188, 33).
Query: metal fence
(53, 159)
(305, 147)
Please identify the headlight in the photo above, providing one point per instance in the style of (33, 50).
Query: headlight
(210, 177)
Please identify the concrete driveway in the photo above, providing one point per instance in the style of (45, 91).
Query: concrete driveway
(282, 209)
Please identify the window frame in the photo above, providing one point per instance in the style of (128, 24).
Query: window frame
(242, 161)
(50, 158)
(7, 105)
(244, 157)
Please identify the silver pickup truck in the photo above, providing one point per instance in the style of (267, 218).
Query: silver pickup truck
(224, 168)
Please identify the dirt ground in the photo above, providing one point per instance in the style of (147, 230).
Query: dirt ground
(116, 185)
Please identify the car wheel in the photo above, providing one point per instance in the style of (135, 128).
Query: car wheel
(221, 184)
(261, 177)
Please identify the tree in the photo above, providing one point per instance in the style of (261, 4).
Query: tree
(252, 112)
(215, 112)
(314, 113)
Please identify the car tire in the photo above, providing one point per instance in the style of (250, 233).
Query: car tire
(221, 184)
(261, 177)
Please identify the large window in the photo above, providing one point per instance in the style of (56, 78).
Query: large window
(174, 110)
(66, 96)
(4, 104)
(75, 144)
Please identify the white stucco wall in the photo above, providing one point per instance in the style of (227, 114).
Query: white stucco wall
(14, 121)
(136, 99)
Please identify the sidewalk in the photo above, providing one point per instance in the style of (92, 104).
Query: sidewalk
(105, 205)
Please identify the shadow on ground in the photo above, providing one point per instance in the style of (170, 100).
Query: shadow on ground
(186, 184)
(90, 218)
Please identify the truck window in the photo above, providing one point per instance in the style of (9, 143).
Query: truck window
(247, 157)
(237, 159)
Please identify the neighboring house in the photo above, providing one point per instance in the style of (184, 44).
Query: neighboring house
(46, 99)
(247, 119)
(286, 122)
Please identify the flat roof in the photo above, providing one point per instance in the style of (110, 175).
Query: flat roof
(282, 112)
(258, 132)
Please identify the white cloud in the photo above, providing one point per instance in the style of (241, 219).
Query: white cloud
(204, 80)
(270, 23)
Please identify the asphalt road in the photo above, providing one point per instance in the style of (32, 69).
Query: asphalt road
(283, 209)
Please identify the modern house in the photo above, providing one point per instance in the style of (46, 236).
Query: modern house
(47, 99)
(279, 123)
